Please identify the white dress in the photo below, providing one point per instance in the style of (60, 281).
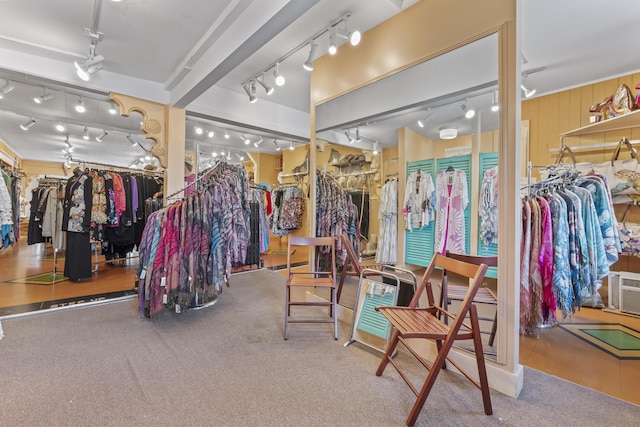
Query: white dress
(419, 197)
(452, 200)
(387, 250)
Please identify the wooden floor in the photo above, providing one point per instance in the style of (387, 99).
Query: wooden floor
(554, 351)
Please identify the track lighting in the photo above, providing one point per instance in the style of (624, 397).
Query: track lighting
(358, 139)
(131, 140)
(112, 108)
(80, 108)
(528, 93)
(275, 142)
(226, 134)
(468, 112)
(26, 125)
(42, 99)
(353, 37)
(86, 68)
(348, 135)
(6, 88)
(423, 121)
(229, 155)
(375, 147)
(495, 106)
(258, 142)
(85, 134)
(240, 157)
(308, 64)
(60, 127)
(101, 137)
(250, 94)
(291, 146)
(69, 148)
(214, 153)
(333, 47)
(245, 138)
(211, 134)
(198, 129)
(267, 88)
(279, 78)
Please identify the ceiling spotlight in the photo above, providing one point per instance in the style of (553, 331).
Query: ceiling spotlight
(44, 98)
(267, 88)
(250, 94)
(423, 121)
(291, 146)
(280, 80)
(275, 142)
(468, 112)
(131, 140)
(245, 138)
(448, 132)
(495, 106)
(358, 138)
(85, 134)
(147, 157)
(375, 147)
(229, 155)
(66, 141)
(308, 64)
(240, 157)
(6, 88)
(353, 37)
(258, 142)
(60, 127)
(80, 108)
(89, 66)
(333, 48)
(101, 137)
(528, 93)
(348, 135)
(214, 153)
(199, 130)
(112, 108)
(226, 134)
(211, 134)
(26, 125)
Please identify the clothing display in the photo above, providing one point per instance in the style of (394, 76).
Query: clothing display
(360, 198)
(288, 210)
(10, 188)
(188, 249)
(418, 207)
(568, 245)
(45, 219)
(387, 249)
(488, 207)
(76, 221)
(452, 198)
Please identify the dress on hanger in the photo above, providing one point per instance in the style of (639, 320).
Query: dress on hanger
(452, 195)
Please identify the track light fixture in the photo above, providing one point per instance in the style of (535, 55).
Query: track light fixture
(353, 37)
(246, 139)
(60, 127)
(211, 134)
(279, 78)
(85, 134)
(468, 112)
(240, 156)
(258, 142)
(348, 135)
(113, 109)
(86, 68)
(275, 142)
(6, 88)
(291, 147)
(423, 121)
(101, 137)
(26, 125)
(528, 93)
(358, 138)
(267, 88)
(43, 98)
(333, 47)
(131, 140)
(229, 155)
(80, 108)
(495, 106)
(198, 130)
(375, 147)
(226, 134)
(308, 64)
(250, 93)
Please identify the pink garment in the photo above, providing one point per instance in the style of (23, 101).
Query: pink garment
(121, 197)
(525, 257)
(534, 269)
(451, 201)
(546, 261)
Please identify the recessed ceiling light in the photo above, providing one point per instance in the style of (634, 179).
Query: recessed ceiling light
(60, 127)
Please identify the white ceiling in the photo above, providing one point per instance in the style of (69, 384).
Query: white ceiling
(196, 54)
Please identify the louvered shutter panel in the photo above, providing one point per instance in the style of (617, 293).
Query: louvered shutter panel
(463, 163)
(487, 161)
(419, 242)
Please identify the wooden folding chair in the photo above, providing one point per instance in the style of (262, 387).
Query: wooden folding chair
(314, 278)
(352, 266)
(458, 292)
(423, 323)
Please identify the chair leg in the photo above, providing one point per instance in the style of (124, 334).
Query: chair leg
(395, 338)
(482, 369)
(428, 384)
(344, 273)
(287, 312)
(335, 313)
(494, 329)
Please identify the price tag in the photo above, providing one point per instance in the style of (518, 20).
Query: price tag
(143, 274)
(177, 308)
(163, 282)
(164, 298)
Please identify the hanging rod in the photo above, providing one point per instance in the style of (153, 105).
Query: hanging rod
(594, 146)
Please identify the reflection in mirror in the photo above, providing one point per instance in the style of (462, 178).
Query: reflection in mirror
(431, 185)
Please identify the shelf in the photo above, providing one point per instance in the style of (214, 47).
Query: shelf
(615, 123)
(357, 163)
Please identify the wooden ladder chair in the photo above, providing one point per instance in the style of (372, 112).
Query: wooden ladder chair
(352, 266)
(315, 279)
(415, 322)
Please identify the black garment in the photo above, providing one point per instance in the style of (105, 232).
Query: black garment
(77, 262)
(358, 200)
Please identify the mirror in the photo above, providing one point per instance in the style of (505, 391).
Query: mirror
(376, 139)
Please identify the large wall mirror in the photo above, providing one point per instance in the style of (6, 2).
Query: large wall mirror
(419, 122)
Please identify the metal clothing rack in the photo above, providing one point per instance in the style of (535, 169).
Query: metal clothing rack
(116, 167)
(57, 181)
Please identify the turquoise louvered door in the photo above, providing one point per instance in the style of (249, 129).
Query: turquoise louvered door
(419, 242)
(463, 163)
(487, 161)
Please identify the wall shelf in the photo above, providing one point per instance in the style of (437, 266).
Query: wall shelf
(615, 123)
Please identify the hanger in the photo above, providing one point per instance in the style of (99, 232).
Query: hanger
(450, 169)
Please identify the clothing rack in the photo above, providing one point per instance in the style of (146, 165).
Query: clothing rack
(56, 181)
(115, 168)
(205, 174)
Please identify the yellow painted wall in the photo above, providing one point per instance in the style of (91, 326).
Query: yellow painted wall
(8, 156)
(267, 167)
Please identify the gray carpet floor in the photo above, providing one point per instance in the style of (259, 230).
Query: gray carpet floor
(229, 365)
